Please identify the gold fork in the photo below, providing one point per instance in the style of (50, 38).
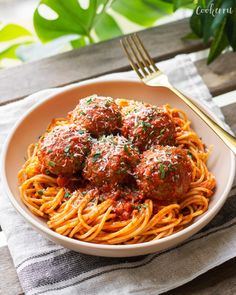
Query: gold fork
(149, 73)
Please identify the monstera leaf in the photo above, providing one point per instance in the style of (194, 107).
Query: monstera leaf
(143, 12)
(70, 17)
(11, 37)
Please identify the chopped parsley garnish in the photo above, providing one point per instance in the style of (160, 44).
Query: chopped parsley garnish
(49, 151)
(96, 156)
(126, 149)
(81, 131)
(190, 155)
(82, 113)
(171, 167)
(66, 149)
(84, 193)
(108, 103)
(51, 164)
(40, 192)
(67, 195)
(145, 125)
(89, 100)
(47, 171)
(162, 131)
(139, 207)
(162, 171)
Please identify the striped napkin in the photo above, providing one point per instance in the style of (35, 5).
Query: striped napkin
(46, 268)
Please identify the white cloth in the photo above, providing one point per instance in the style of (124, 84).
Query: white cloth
(46, 268)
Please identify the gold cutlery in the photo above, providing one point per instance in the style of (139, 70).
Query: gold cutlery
(149, 74)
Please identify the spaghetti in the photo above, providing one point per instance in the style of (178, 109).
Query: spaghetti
(77, 208)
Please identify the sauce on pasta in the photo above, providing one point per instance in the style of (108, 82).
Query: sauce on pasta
(117, 172)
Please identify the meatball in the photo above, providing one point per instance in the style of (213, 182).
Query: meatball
(62, 151)
(111, 161)
(148, 125)
(164, 173)
(98, 115)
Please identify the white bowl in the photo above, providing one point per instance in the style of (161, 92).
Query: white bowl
(34, 122)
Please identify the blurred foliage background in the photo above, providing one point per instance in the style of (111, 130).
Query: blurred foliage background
(60, 25)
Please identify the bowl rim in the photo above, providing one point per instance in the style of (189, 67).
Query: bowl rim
(208, 215)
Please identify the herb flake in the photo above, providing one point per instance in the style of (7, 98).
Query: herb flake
(51, 164)
(162, 131)
(89, 100)
(40, 192)
(67, 195)
(96, 156)
(162, 171)
(145, 125)
(66, 149)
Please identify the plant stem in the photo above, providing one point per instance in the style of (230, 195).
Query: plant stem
(90, 39)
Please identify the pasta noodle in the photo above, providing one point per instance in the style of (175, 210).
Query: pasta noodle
(84, 216)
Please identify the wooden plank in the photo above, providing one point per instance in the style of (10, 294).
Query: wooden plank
(162, 42)
(220, 76)
(9, 282)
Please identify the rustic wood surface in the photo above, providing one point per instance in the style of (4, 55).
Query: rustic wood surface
(91, 61)
(220, 76)
(81, 64)
(163, 42)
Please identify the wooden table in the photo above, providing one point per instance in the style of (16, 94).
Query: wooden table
(163, 42)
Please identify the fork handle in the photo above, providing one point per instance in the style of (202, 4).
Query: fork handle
(225, 136)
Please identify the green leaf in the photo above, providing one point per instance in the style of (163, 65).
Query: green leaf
(79, 42)
(13, 31)
(207, 22)
(219, 18)
(70, 18)
(11, 37)
(231, 27)
(196, 24)
(160, 5)
(181, 3)
(107, 28)
(9, 52)
(190, 36)
(219, 43)
(144, 13)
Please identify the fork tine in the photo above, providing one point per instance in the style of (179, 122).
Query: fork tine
(134, 52)
(146, 53)
(133, 65)
(139, 49)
